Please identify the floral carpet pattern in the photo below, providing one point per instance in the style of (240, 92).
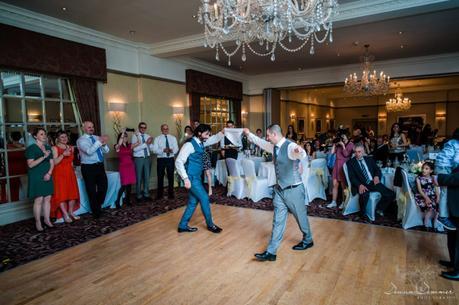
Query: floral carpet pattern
(21, 243)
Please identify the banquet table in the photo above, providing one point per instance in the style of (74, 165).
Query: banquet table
(221, 171)
(267, 171)
(113, 186)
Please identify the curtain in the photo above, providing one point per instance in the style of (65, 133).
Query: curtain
(87, 99)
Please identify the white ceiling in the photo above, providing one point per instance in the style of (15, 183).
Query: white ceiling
(432, 31)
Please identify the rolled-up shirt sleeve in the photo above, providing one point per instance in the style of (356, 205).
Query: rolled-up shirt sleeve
(265, 145)
(292, 155)
(214, 139)
(185, 152)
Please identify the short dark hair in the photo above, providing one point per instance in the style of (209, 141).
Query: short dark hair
(141, 123)
(37, 130)
(229, 122)
(259, 130)
(201, 129)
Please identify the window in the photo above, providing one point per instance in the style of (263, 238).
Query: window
(28, 101)
(215, 112)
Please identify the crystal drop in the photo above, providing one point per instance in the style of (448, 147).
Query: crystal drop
(331, 37)
(311, 51)
(205, 44)
(229, 61)
(260, 42)
(273, 57)
(217, 57)
(289, 38)
(244, 57)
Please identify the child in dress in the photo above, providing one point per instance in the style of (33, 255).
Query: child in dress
(428, 195)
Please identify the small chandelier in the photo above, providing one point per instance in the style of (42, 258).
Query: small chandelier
(371, 83)
(399, 103)
(263, 25)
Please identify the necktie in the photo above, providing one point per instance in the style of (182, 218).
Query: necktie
(276, 148)
(167, 146)
(99, 151)
(145, 150)
(365, 173)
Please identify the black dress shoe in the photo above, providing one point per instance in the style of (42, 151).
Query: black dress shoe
(214, 229)
(303, 246)
(450, 275)
(147, 199)
(187, 229)
(446, 264)
(265, 256)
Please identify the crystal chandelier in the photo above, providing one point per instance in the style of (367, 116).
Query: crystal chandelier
(263, 25)
(371, 83)
(399, 103)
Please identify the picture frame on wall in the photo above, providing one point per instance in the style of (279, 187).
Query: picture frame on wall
(406, 121)
(318, 125)
(300, 124)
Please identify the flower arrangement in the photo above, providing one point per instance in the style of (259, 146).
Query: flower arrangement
(416, 168)
(267, 156)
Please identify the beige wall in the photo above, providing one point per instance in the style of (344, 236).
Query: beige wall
(253, 106)
(147, 100)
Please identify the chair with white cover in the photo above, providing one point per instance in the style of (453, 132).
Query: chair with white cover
(315, 179)
(236, 183)
(351, 202)
(405, 199)
(257, 187)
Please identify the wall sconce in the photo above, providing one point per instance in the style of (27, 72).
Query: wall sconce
(327, 116)
(312, 115)
(292, 116)
(440, 116)
(116, 109)
(244, 117)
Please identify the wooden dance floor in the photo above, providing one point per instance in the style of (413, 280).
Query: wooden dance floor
(150, 263)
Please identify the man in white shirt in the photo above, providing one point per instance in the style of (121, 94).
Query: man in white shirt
(227, 152)
(165, 147)
(91, 149)
(289, 193)
(142, 161)
(189, 165)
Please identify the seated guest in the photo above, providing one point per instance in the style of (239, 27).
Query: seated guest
(428, 195)
(187, 135)
(365, 177)
(66, 194)
(126, 167)
(92, 149)
(256, 150)
(165, 147)
(228, 152)
(291, 134)
(196, 123)
(310, 151)
(40, 163)
(381, 151)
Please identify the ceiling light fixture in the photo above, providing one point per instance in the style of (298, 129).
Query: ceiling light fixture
(370, 83)
(264, 25)
(398, 103)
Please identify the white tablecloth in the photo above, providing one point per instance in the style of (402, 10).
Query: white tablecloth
(221, 171)
(267, 171)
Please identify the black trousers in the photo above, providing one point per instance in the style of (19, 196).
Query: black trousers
(95, 181)
(387, 196)
(453, 244)
(165, 165)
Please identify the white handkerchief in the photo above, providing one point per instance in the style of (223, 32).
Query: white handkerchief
(234, 135)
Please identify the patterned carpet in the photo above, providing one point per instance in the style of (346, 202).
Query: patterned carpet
(21, 243)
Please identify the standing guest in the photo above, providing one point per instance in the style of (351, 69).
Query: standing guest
(187, 135)
(92, 149)
(225, 143)
(381, 151)
(451, 181)
(291, 134)
(66, 196)
(142, 162)
(365, 177)
(427, 135)
(40, 163)
(126, 167)
(166, 147)
(342, 148)
(206, 167)
(310, 151)
(190, 166)
(447, 160)
(428, 195)
(196, 123)
(289, 193)
(398, 143)
(370, 132)
(256, 150)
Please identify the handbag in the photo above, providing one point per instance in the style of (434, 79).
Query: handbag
(331, 159)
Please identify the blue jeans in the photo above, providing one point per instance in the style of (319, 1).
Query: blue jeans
(197, 193)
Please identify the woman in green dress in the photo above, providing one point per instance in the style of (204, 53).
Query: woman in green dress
(40, 163)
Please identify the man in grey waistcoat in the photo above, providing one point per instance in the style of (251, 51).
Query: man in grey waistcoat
(289, 192)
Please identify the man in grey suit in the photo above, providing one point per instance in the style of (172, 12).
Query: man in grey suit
(289, 192)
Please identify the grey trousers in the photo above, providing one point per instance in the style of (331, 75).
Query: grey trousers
(443, 206)
(288, 200)
(142, 171)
